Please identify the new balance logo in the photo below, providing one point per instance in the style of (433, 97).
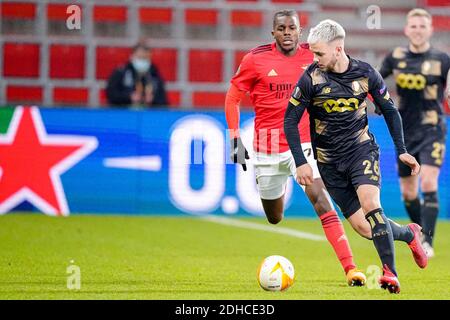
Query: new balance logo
(272, 73)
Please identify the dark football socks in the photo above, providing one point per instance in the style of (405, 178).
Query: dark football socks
(382, 238)
(401, 233)
(413, 209)
(430, 210)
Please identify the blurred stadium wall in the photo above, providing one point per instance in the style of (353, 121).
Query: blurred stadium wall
(196, 44)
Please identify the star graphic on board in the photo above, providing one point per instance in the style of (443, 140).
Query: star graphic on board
(32, 162)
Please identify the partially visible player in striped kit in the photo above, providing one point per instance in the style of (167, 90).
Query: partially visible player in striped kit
(421, 73)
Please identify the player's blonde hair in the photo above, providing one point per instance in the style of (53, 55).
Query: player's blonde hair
(419, 12)
(326, 31)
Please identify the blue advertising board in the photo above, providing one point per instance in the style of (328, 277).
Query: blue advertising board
(81, 161)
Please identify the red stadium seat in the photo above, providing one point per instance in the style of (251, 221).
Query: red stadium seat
(441, 23)
(57, 16)
(21, 60)
(286, 1)
(71, 96)
(174, 98)
(304, 19)
(166, 61)
(67, 61)
(155, 15)
(110, 14)
(18, 10)
(438, 3)
(246, 18)
(201, 16)
(109, 58)
(58, 12)
(110, 21)
(214, 100)
(102, 100)
(205, 65)
(24, 94)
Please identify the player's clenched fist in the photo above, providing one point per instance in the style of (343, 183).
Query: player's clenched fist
(305, 175)
(411, 162)
(238, 152)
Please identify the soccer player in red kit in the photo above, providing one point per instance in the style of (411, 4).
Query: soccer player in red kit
(269, 74)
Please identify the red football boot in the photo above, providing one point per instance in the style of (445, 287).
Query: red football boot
(389, 281)
(416, 247)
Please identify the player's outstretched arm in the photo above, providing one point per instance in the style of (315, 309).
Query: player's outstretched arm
(238, 151)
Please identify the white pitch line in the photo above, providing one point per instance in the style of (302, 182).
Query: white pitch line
(257, 226)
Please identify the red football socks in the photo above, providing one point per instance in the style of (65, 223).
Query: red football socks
(335, 234)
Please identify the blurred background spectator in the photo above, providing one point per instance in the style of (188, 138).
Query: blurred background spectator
(138, 83)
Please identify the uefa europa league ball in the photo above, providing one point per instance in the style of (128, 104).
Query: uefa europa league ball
(275, 273)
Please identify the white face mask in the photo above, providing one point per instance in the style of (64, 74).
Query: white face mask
(141, 65)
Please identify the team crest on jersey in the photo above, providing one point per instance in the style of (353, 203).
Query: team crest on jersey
(426, 66)
(360, 86)
(431, 67)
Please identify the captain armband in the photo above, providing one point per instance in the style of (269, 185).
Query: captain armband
(294, 101)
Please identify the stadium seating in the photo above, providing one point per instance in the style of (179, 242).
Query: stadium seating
(197, 44)
(67, 61)
(18, 17)
(21, 60)
(166, 60)
(24, 94)
(56, 20)
(71, 96)
(156, 22)
(205, 66)
(108, 58)
(110, 21)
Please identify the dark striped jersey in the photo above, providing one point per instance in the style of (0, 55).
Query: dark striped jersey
(338, 111)
(420, 80)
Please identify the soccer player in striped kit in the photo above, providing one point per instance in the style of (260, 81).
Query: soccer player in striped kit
(421, 73)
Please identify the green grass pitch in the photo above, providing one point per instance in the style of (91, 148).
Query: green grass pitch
(182, 257)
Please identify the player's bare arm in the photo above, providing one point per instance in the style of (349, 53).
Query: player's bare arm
(411, 162)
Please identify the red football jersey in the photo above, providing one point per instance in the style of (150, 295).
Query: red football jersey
(270, 77)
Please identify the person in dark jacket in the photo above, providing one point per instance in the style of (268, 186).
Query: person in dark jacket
(138, 83)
